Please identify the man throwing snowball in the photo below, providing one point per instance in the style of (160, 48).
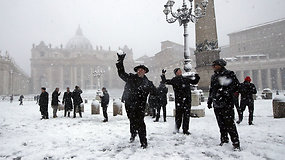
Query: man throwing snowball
(136, 90)
(182, 91)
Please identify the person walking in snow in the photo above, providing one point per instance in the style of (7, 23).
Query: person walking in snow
(21, 99)
(11, 98)
(43, 103)
(162, 101)
(246, 90)
(67, 102)
(77, 100)
(224, 84)
(136, 90)
(54, 101)
(153, 104)
(104, 103)
(182, 91)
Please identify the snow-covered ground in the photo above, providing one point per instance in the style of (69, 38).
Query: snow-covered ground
(24, 136)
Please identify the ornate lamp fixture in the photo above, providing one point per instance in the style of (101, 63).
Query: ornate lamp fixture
(184, 15)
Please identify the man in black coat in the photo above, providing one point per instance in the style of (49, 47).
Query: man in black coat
(246, 90)
(182, 91)
(54, 101)
(224, 84)
(137, 88)
(67, 102)
(43, 103)
(104, 103)
(21, 99)
(162, 99)
(77, 100)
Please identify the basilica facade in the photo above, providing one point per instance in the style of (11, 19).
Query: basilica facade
(78, 63)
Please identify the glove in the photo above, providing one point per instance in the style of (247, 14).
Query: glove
(163, 71)
(121, 56)
(209, 106)
(197, 75)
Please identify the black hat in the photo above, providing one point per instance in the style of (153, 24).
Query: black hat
(43, 88)
(175, 70)
(141, 66)
(220, 62)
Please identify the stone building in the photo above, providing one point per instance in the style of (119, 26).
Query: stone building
(13, 79)
(75, 64)
(259, 52)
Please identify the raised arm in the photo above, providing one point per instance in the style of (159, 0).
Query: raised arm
(163, 79)
(121, 69)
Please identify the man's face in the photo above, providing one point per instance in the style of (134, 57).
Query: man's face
(178, 73)
(67, 89)
(57, 89)
(43, 90)
(141, 72)
(216, 67)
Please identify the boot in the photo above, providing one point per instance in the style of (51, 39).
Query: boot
(186, 132)
(236, 147)
(132, 139)
(144, 145)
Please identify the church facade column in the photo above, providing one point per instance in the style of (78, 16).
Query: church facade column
(259, 80)
(91, 78)
(279, 79)
(269, 79)
(82, 77)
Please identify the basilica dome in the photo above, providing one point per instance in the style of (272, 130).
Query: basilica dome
(79, 42)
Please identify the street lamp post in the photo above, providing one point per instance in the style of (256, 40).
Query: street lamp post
(98, 73)
(184, 15)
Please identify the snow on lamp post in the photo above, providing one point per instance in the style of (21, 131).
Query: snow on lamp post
(98, 73)
(184, 15)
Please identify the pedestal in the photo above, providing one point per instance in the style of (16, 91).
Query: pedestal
(95, 107)
(278, 104)
(117, 108)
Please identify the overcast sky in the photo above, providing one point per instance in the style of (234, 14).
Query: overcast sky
(140, 24)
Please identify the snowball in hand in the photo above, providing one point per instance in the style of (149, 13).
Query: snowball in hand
(120, 52)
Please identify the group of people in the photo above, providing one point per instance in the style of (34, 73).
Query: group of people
(223, 95)
(71, 101)
(66, 101)
(158, 101)
(224, 84)
(21, 98)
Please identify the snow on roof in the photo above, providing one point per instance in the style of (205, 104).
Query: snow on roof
(258, 25)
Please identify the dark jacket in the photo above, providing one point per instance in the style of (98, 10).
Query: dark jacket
(247, 89)
(182, 88)
(66, 100)
(43, 101)
(77, 100)
(54, 100)
(21, 98)
(153, 100)
(223, 86)
(162, 94)
(105, 99)
(136, 89)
